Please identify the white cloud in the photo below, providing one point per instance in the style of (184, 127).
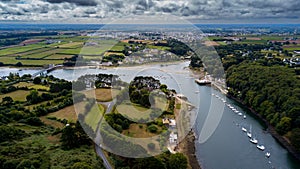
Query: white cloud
(68, 10)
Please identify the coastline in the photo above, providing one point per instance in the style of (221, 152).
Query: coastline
(188, 148)
(271, 130)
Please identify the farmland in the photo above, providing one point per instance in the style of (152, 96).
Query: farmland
(19, 95)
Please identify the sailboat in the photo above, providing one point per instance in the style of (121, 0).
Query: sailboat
(261, 147)
(254, 140)
(268, 154)
(249, 132)
(244, 129)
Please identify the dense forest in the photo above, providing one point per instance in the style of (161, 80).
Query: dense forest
(272, 91)
(26, 141)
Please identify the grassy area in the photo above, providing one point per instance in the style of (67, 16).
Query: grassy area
(58, 56)
(12, 60)
(94, 116)
(158, 47)
(71, 45)
(31, 86)
(291, 47)
(102, 95)
(113, 53)
(139, 131)
(67, 113)
(18, 49)
(43, 54)
(19, 95)
(133, 111)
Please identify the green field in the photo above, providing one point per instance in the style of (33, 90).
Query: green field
(71, 45)
(58, 56)
(31, 86)
(133, 111)
(42, 55)
(19, 95)
(12, 60)
(93, 117)
(158, 47)
(18, 49)
(291, 47)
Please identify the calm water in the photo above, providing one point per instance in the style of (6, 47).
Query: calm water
(228, 147)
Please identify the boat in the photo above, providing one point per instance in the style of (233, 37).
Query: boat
(244, 129)
(240, 114)
(203, 82)
(268, 154)
(249, 132)
(197, 91)
(254, 140)
(261, 147)
(244, 116)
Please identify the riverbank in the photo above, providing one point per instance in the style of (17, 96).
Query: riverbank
(281, 139)
(187, 147)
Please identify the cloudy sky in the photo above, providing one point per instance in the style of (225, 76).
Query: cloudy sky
(197, 11)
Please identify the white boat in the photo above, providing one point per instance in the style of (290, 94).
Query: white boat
(268, 154)
(253, 140)
(244, 129)
(249, 132)
(240, 114)
(261, 147)
(197, 91)
(244, 116)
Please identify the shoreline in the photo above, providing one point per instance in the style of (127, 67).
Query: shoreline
(188, 148)
(271, 130)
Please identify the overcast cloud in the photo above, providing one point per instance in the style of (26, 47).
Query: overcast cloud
(106, 10)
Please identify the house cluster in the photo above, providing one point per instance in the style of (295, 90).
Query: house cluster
(173, 137)
(150, 55)
(295, 61)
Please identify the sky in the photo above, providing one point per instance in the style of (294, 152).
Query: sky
(195, 11)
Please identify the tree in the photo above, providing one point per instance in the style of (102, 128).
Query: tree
(152, 128)
(37, 80)
(7, 100)
(295, 138)
(177, 161)
(81, 165)
(284, 125)
(19, 64)
(33, 97)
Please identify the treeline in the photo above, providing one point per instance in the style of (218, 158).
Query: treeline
(163, 161)
(272, 91)
(140, 89)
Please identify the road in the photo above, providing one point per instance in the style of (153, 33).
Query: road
(101, 154)
(98, 149)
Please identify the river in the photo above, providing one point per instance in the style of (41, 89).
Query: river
(228, 147)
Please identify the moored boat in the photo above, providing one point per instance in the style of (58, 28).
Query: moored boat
(254, 140)
(261, 147)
